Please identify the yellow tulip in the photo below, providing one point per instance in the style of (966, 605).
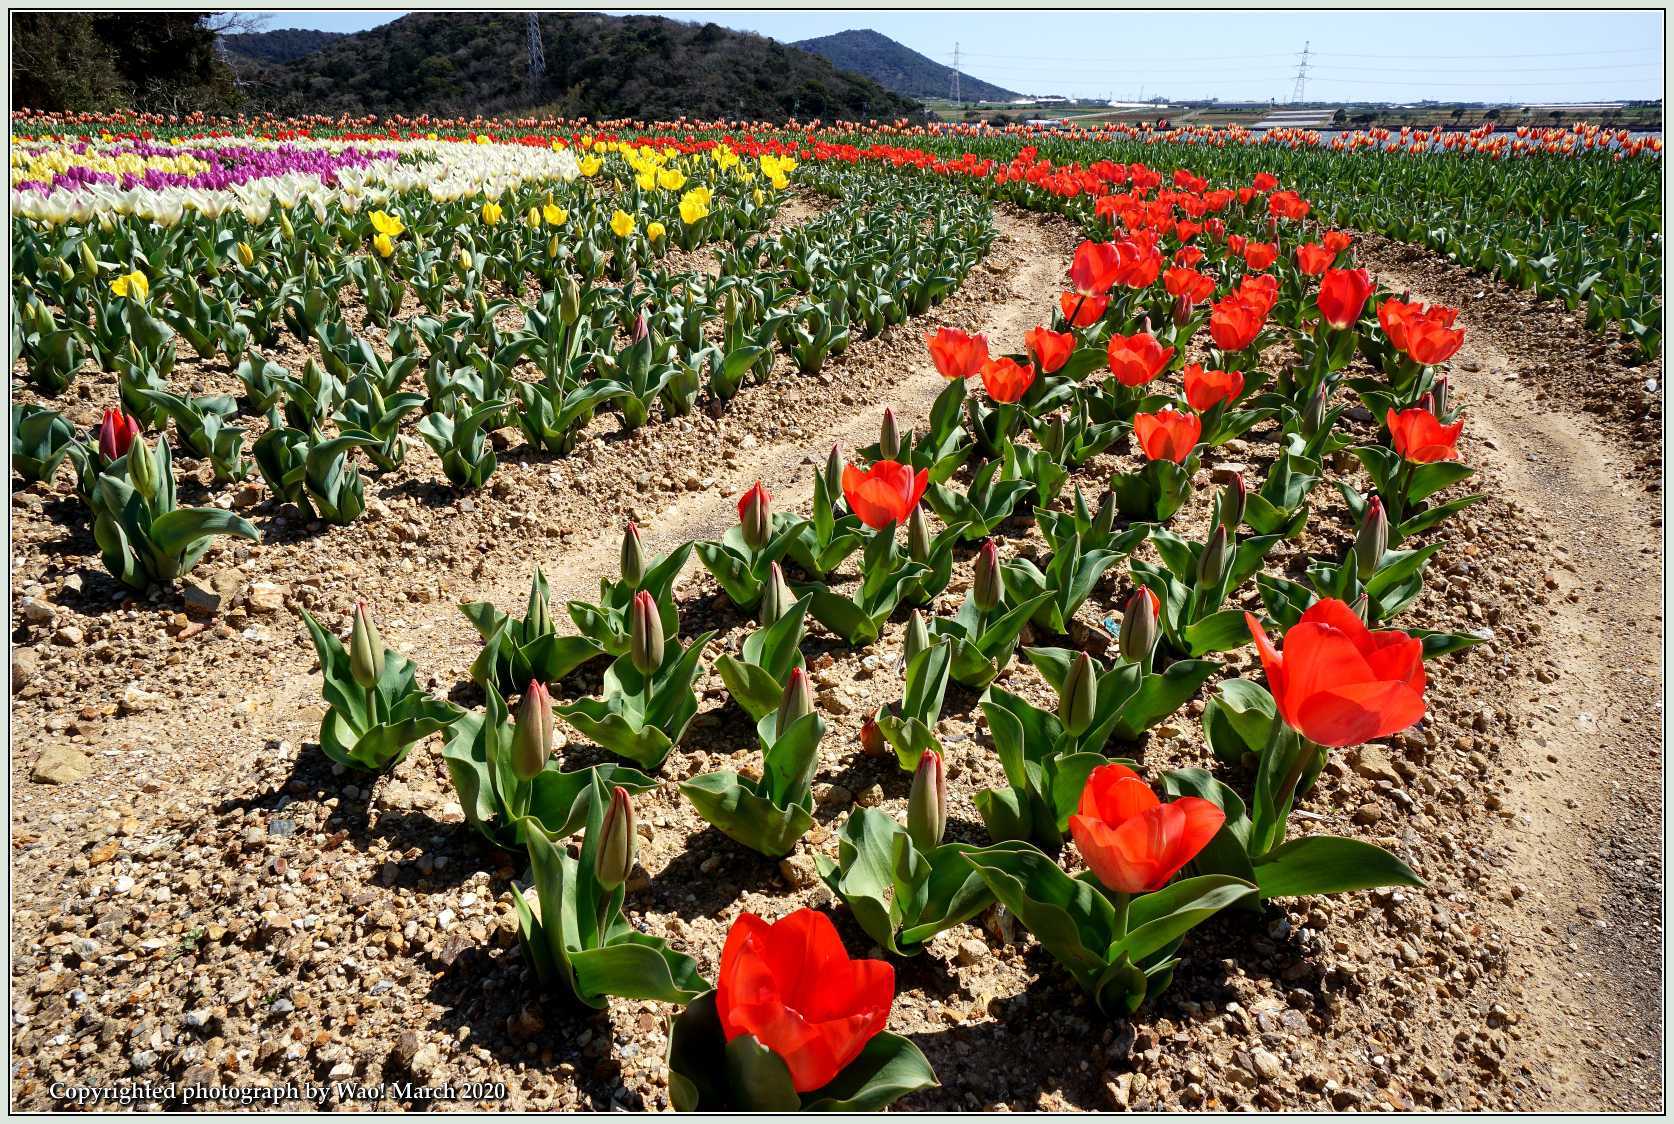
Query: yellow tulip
(246, 255)
(780, 182)
(655, 231)
(622, 224)
(670, 180)
(383, 244)
(132, 285)
(692, 210)
(590, 165)
(491, 213)
(554, 215)
(533, 218)
(386, 224)
(647, 181)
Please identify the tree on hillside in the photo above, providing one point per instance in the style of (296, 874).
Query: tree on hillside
(160, 61)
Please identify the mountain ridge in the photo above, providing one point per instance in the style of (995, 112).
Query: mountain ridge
(897, 67)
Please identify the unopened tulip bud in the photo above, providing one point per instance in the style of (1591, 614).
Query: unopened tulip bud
(642, 326)
(614, 858)
(142, 468)
(834, 473)
(1104, 521)
(755, 517)
(917, 638)
(889, 439)
(1053, 439)
(532, 740)
(1079, 699)
(1212, 563)
(796, 702)
(1443, 393)
(569, 300)
(927, 803)
(1313, 418)
(89, 263)
(1139, 627)
(871, 736)
(1371, 540)
(1180, 311)
(246, 255)
(116, 433)
(633, 556)
(776, 597)
(552, 248)
(918, 537)
(988, 586)
(645, 634)
(285, 226)
(366, 648)
(1230, 504)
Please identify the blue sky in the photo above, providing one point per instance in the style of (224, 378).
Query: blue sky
(1370, 55)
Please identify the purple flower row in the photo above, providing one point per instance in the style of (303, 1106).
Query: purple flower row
(229, 167)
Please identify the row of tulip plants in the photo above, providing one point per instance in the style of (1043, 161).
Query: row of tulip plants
(792, 1021)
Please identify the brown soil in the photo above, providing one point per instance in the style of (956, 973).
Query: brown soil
(216, 903)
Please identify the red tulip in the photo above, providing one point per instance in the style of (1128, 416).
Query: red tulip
(1235, 323)
(1188, 256)
(1080, 311)
(1094, 269)
(1005, 379)
(116, 432)
(1051, 350)
(1421, 438)
(1342, 296)
(1338, 683)
(1432, 338)
(1313, 259)
(1204, 389)
(1137, 359)
(1195, 287)
(1337, 241)
(884, 494)
(1260, 291)
(754, 516)
(957, 354)
(793, 987)
(1132, 841)
(1167, 435)
(1259, 255)
(1264, 181)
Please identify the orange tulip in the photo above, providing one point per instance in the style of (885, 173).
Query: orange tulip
(1342, 296)
(1313, 259)
(1259, 255)
(1095, 267)
(1338, 683)
(1080, 311)
(1195, 287)
(1049, 349)
(1167, 435)
(1006, 380)
(1133, 842)
(1234, 323)
(1422, 439)
(1205, 389)
(885, 493)
(1137, 359)
(957, 354)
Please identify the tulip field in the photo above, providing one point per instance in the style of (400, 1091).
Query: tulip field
(728, 617)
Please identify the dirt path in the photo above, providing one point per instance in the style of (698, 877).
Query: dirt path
(1584, 840)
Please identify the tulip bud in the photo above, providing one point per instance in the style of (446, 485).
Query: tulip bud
(532, 740)
(1443, 393)
(1313, 418)
(1212, 563)
(1079, 699)
(918, 537)
(917, 638)
(246, 255)
(552, 248)
(614, 858)
(1180, 311)
(988, 586)
(537, 618)
(645, 634)
(1371, 540)
(776, 597)
(1053, 439)
(796, 702)
(1105, 520)
(285, 226)
(755, 517)
(834, 473)
(633, 556)
(642, 326)
(927, 803)
(1229, 505)
(89, 263)
(569, 300)
(871, 736)
(142, 469)
(366, 648)
(1138, 634)
(889, 440)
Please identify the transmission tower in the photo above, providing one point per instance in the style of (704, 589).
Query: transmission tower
(958, 104)
(537, 56)
(1301, 76)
